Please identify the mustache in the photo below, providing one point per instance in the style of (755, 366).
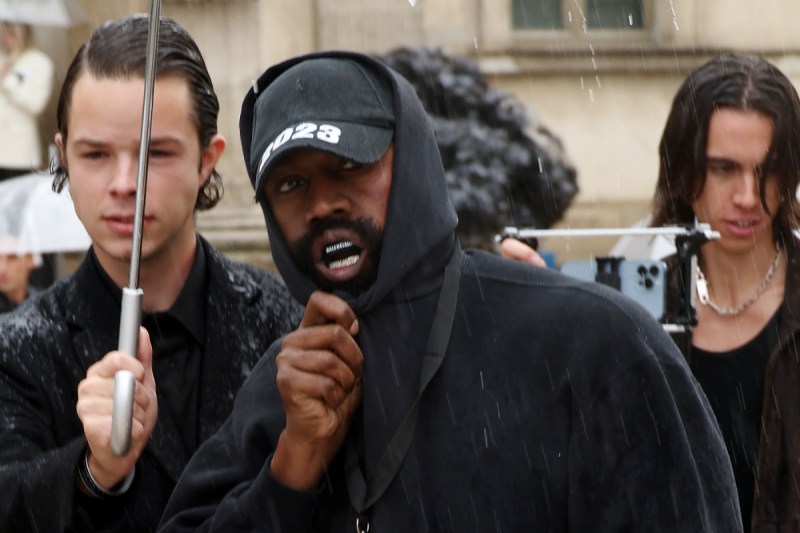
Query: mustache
(371, 237)
(364, 227)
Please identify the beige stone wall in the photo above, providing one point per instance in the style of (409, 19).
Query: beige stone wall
(606, 97)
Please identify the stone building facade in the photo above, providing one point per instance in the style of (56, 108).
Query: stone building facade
(600, 73)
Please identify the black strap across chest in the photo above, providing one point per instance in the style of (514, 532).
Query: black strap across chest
(362, 496)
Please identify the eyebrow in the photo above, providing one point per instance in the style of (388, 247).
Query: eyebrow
(165, 140)
(89, 142)
(720, 159)
(94, 143)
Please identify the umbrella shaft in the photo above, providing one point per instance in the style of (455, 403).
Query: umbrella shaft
(144, 142)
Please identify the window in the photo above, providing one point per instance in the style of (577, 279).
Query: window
(564, 15)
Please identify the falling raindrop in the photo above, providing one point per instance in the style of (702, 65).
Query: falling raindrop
(591, 95)
(630, 19)
(475, 42)
(412, 2)
(674, 15)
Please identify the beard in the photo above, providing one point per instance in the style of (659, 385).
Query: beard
(371, 237)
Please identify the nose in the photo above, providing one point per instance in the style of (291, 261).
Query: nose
(327, 198)
(747, 191)
(123, 182)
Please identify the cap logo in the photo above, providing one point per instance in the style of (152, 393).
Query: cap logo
(306, 130)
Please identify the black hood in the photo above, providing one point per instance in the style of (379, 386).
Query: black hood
(420, 221)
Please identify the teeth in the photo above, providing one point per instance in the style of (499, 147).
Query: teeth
(338, 246)
(341, 263)
(341, 254)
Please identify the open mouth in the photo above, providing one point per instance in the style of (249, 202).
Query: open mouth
(341, 254)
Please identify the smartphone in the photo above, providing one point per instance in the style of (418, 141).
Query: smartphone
(645, 281)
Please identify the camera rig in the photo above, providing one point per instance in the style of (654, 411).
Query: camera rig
(688, 240)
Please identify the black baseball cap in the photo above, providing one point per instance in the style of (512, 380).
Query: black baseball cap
(333, 104)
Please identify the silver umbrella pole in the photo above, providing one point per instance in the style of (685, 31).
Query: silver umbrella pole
(131, 313)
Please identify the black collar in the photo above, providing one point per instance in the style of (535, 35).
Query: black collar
(188, 309)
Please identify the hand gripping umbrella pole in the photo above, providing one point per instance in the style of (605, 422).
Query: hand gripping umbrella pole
(131, 312)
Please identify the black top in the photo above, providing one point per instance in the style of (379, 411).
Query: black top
(734, 384)
(177, 337)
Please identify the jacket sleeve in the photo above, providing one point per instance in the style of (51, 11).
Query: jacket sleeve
(29, 82)
(37, 476)
(227, 485)
(646, 452)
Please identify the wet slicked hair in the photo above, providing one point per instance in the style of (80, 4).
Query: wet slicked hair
(739, 82)
(117, 50)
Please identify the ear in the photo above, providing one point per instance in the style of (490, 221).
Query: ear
(210, 156)
(62, 152)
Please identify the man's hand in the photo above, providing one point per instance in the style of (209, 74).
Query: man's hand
(511, 248)
(319, 380)
(95, 401)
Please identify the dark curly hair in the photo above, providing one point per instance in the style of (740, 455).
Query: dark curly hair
(731, 81)
(117, 50)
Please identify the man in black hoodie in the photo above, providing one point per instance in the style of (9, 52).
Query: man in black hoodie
(429, 389)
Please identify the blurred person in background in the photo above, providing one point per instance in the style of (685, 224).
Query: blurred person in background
(26, 82)
(15, 271)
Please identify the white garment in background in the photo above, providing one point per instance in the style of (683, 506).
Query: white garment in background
(24, 93)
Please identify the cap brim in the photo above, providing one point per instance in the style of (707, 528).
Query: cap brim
(355, 142)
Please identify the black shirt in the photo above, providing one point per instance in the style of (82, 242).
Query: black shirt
(734, 384)
(178, 339)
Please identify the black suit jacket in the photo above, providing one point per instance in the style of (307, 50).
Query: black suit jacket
(46, 347)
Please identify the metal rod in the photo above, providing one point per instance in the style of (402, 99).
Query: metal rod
(144, 141)
(597, 232)
(131, 312)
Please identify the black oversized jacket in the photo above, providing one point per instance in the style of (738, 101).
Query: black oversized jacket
(560, 405)
(47, 345)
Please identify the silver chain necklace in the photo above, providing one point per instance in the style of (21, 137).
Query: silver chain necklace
(705, 298)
